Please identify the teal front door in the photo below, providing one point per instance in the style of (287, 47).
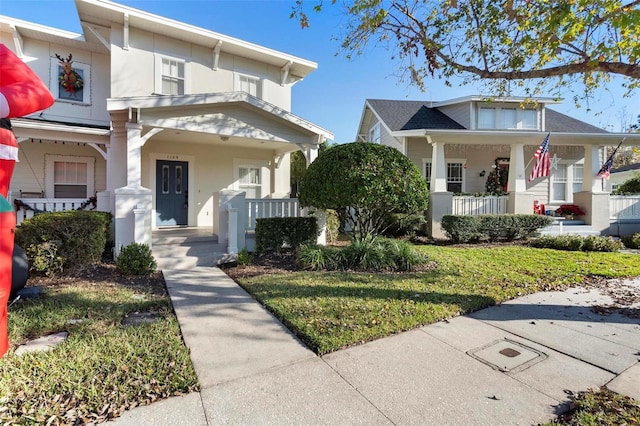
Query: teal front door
(172, 194)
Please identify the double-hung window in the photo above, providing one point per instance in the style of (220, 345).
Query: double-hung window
(248, 84)
(250, 181)
(69, 177)
(374, 133)
(75, 88)
(170, 76)
(487, 118)
(565, 180)
(455, 174)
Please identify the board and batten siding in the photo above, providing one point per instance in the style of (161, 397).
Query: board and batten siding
(461, 113)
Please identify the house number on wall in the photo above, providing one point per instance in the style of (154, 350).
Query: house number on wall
(173, 157)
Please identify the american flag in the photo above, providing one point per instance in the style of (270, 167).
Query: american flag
(605, 170)
(541, 167)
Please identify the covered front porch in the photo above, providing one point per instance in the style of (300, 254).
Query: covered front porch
(438, 152)
(174, 160)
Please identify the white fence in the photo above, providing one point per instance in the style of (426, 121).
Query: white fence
(470, 205)
(261, 208)
(32, 206)
(624, 207)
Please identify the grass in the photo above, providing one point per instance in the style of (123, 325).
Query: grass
(103, 367)
(333, 310)
(600, 408)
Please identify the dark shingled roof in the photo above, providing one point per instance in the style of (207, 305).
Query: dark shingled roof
(626, 168)
(410, 115)
(560, 123)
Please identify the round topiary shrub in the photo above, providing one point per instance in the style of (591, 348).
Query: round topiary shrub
(136, 259)
(364, 183)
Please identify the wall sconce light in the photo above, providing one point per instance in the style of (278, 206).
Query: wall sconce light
(482, 173)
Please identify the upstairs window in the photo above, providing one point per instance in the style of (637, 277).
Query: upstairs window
(171, 76)
(529, 119)
(509, 118)
(487, 118)
(374, 133)
(76, 90)
(249, 84)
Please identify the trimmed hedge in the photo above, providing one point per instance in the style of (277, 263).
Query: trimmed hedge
(81, 237)
(470, 229)
(577, 243)
(273, 233)
(632, 241)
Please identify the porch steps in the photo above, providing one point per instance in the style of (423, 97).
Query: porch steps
(184, 248)
(569, 227)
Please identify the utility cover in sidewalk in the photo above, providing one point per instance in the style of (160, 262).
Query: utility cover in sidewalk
(507, 356)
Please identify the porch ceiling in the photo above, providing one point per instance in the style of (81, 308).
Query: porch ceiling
(46, 130)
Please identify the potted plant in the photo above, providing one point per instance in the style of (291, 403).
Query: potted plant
(569, 211)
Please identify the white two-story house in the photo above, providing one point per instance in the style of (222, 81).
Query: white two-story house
(460, 143)
(169, 123)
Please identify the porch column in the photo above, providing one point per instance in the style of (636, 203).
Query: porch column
(440, 200)
(593, 199)
(520, 201)
(134, 154)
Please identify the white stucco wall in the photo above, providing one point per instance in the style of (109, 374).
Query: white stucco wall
(40, 57)
(133, 70)
(211, 169)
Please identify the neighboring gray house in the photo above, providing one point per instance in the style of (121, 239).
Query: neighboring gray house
(458, 143)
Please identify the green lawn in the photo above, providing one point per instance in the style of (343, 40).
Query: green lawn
(103, 368)
(333, 310)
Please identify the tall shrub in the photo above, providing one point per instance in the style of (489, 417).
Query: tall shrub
(364, 183)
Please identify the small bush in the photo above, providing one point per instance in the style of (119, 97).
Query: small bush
(403, 256)
(629, 187)
(44, 259)
(600, 243)
(367, 255)
(244, 258)
(400, 225)
(318, 258)
(136, 259)
(80, 236)
(273, 233)
(461, 229)
(631, 241)
(577, 243)
(471, 229)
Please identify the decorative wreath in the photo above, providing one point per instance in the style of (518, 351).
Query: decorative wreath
(66, 82)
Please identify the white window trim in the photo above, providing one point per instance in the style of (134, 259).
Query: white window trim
(373, 131)
(448, 161)
(264, 174)
(260, 84)
(498, 117)
(50, 159)
(568, 190)
(86, 78)
(158, 57)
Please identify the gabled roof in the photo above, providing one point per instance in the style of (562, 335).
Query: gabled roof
(560, 123)
(411, 115)
(103, 13)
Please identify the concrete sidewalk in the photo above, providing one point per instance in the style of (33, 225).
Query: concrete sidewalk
(516, 363)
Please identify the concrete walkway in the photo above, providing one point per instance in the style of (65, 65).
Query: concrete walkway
(516, 363)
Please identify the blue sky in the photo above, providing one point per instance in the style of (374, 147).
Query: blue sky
(333, 95)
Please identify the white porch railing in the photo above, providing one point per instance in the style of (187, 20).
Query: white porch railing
(40, 205)
(262, 208)
(470, 205)
(624, 207)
